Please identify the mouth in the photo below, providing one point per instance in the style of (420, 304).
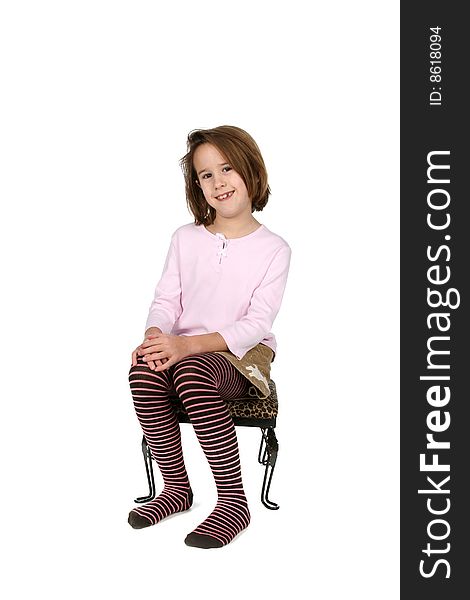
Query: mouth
(225, 196)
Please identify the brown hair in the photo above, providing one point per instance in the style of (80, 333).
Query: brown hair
(243, 154)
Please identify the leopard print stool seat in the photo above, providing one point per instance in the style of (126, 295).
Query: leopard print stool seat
(250, 411)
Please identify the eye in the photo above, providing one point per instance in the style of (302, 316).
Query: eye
(206, 175)
(227, 168)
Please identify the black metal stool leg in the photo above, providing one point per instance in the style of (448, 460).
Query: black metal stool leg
(262, 459)
(149, 471)
(269, 457)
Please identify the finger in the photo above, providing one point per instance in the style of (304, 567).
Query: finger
(152, 342)
(150, 347)
(152, 352)
(167, 365)
(153, 364)
(134, 357)
(154, 356)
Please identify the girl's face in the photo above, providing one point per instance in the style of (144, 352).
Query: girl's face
(223, 188)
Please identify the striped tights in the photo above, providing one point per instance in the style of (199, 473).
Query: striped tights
(202, 381)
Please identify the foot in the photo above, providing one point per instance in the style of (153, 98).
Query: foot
(229, 517)
(169, 502)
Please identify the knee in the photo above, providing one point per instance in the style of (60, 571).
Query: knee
(139, 367)
(141, 371)
(195, 370)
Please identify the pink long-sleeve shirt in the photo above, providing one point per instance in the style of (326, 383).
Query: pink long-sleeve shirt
(214, 284)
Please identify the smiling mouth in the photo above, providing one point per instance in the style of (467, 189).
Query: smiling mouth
(224, 196)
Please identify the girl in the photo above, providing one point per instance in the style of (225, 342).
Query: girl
(208, 330)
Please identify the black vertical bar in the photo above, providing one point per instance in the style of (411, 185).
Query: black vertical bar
(434, 259)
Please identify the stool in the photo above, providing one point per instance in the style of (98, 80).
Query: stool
(246, 412)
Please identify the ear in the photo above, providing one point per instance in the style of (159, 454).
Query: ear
(197, 182)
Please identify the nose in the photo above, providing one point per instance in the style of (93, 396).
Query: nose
(218, 181)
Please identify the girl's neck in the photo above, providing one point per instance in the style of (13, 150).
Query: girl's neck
(234, 229)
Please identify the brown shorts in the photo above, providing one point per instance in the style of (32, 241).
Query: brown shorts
(256, 367)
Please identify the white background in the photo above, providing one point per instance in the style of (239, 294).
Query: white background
(98, 98)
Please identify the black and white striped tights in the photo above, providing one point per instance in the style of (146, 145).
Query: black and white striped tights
(202, 381)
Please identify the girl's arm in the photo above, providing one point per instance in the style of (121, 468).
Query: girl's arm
(166, 305)
(169, 349)
(207, 342)
(255, 325)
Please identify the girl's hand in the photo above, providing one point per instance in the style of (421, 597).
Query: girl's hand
(139, 352)
(165, 350)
